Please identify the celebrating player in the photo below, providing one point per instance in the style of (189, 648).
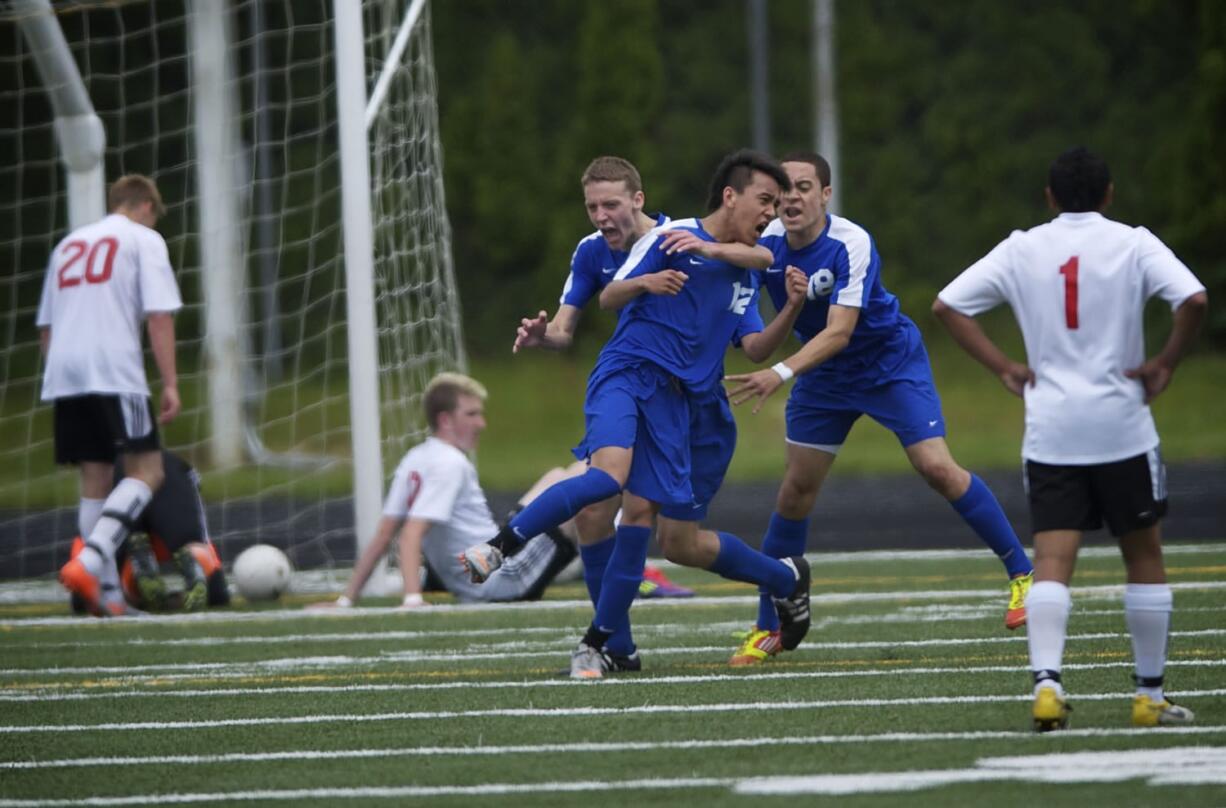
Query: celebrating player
(613, 198)
(1078, 287)
(102, 281)
(436, 504)
(667, 351)
(861, 356)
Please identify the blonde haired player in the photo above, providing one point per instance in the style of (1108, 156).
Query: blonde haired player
(102, 281)
(435, 508)
(1078, 286)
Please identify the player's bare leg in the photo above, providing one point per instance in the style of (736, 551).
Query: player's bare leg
(977, 506)
(96, 481)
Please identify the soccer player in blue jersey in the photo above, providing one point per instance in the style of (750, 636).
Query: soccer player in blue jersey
(613, 198)
(668, 347)
(861, 356)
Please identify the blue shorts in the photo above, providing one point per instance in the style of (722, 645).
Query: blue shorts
(821, 411)
(712, 443)
(641, 407)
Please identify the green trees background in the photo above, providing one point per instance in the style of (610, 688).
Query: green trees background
(951, 113)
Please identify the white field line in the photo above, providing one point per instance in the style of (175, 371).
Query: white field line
(939, 613)
(429, 613)
(520, 650)
(380, 792)
(1171, 766)
(601, 747)
(520, 684)
(550, 712)
(331, 580)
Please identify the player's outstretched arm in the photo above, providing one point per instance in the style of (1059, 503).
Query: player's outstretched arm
(741, 255)
(829, 341)
(411, 537)
(1155, 374)
(365, 565)
(759, 347)
(555, 335)
(970, 335)
(665, 282)
(161, 327)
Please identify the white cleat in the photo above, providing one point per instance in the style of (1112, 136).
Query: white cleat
(480, 561)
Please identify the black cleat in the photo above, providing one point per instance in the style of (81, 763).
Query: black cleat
(617, 663)
(793, 611)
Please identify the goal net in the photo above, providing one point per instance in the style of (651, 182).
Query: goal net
(232, 109)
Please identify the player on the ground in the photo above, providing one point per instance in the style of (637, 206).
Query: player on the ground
(613, 198)
(435, 508)
(173, 528)
(667, 349)
(861, 356)
(1078, 286)
(102, 281)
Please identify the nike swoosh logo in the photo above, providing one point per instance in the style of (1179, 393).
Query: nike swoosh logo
(932, 423)
(609, 271)
(695, 262)
(774, 271)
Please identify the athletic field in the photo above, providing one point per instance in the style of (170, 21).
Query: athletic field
(908, 691)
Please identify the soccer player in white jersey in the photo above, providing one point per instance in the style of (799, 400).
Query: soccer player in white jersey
(435, 508)
(861, 356)
(102, 281)
(1078, 286)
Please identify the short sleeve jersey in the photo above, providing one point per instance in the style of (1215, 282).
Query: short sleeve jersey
(101, 283)
(843, 268)
(1077, 286)
(437, 482)
(592, 266)
(686, 334)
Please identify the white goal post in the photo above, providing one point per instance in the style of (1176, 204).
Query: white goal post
(296, 144)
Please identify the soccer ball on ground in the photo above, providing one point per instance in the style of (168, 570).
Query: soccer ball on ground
(262, 572)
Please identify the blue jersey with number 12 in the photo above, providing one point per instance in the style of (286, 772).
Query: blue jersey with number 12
(685, 334)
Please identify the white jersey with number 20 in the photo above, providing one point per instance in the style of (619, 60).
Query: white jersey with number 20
(102, 281)
(1078, 286)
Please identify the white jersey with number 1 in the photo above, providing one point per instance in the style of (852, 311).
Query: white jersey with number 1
(102, 281)
(1078, 286)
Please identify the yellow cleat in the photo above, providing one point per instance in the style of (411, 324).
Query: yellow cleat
(759, 645)
(1019, 588)
(1050, 710)
(1149, 713)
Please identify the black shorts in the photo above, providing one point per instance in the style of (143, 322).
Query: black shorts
(98, 428)
(176, 513)
(1127, 494)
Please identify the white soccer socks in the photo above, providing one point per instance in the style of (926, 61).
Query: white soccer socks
(1047, 610)
(119, 513)
(1147, 610)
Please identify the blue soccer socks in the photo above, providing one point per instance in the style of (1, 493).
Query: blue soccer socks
(738, 561)
(595, 562)
(561, 501)
(621, 580)
(979, 508)
(784, 538)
